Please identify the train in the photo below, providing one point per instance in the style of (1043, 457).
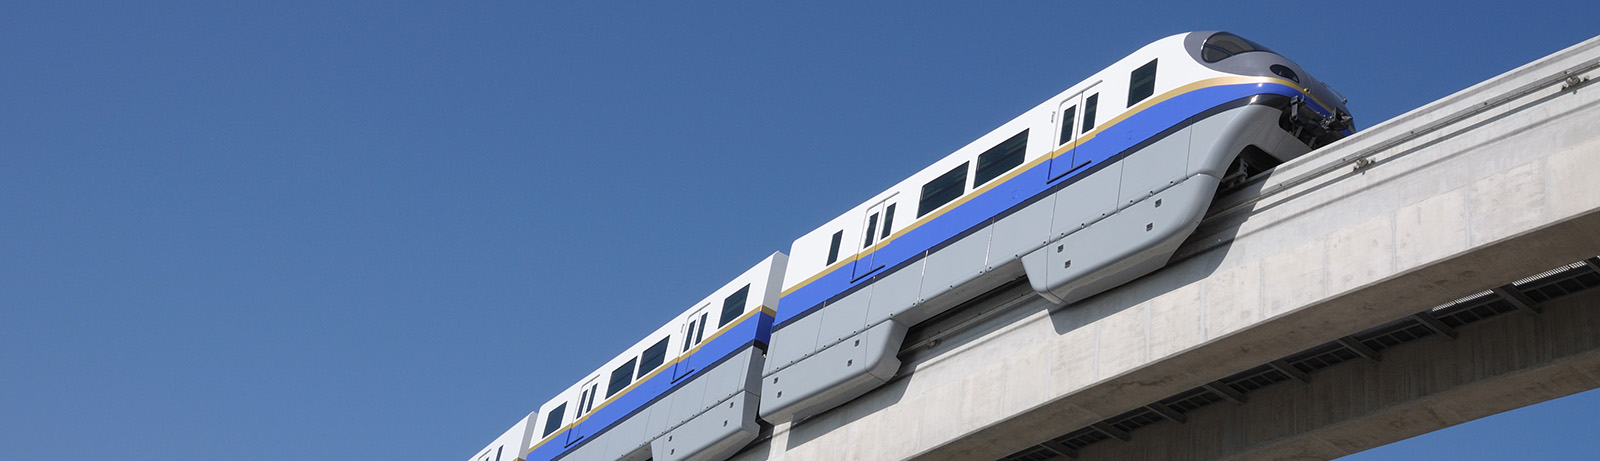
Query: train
(1090, 189)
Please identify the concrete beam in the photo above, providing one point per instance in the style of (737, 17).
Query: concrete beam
(1497, 365)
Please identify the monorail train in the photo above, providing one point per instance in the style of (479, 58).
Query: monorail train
(1091, 189)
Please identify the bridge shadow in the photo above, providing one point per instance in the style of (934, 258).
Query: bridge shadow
(1197, 259)
(837, 418)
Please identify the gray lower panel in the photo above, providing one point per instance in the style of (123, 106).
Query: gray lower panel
(657, 422)
(687, 401)
(894, 293)
(844, 318)
(793, 342)
(1215, 141)
(1155, 167)
(1121, 247)
(730, 377)
(679, 415)
(627, 439)
(1090, 199)
(834, 375)
(956, 264)
(958, 293)
(716, 434)
(1022, 232)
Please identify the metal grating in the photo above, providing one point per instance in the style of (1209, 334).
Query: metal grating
(1322, 356)
(1542, 287)
(1033, 453)
(1395, 333)
(1473, 309)
(1560, 282)
(1135, 419)
(1192, 399)
(1080, 438)
(1255, 378)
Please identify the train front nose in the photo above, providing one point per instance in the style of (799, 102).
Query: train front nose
(1324, 110)
(1329, 102)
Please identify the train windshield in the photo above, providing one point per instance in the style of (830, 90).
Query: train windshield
(1223, 45)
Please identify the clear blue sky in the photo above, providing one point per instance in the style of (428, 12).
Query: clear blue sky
(387, 230)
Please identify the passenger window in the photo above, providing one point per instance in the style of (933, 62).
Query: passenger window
(652, 358)
(688, 336)
(888, 220)
(872, 230)
(699, 335)
(942, 190)
(620, 378)
(554, 420)
(733, 306)
(833, 248)
(1088, 112)
(1066, 124)
(1000, 159)
(1142, 83)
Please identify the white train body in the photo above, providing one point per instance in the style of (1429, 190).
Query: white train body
(809, 253)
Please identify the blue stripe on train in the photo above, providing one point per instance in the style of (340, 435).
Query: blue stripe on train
(1109, 142)
(756, 329)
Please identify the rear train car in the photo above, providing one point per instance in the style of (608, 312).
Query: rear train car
(510, 445)
(688, 391)
(1090, 189)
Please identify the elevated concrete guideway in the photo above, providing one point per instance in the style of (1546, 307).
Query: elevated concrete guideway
(1309, 316)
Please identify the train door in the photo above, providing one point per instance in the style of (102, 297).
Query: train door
(586, 400)
(693, 333)
(875, 227)
(1074, 117)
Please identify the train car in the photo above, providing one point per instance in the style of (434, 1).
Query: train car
(688, 391)
(1090, 189)
(510, 445)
